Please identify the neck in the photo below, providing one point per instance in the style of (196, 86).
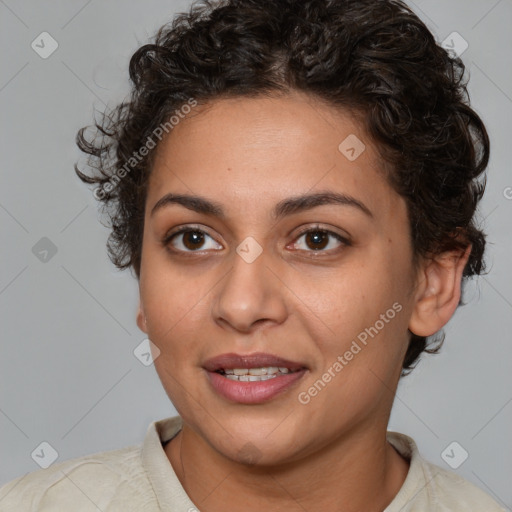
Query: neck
(360, 471)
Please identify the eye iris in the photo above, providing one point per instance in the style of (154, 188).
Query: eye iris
(195, 238)
(319, 238)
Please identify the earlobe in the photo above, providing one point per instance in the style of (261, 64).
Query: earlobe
(438, 292)
(141, 318)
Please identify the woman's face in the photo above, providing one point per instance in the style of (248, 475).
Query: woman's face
(269, 275)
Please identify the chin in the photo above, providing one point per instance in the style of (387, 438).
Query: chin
(253, 446)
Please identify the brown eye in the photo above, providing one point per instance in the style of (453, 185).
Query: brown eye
(321, 240)
(190, 240)
(193, 239)
(317, 239)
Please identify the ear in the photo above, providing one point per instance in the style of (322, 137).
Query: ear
(141, 318)
(438, 291)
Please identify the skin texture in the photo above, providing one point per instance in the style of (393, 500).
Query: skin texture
(293, 301)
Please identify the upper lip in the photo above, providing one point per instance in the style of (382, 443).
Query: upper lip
(256, 360)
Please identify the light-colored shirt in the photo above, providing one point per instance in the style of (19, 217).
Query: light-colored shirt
(141, 479)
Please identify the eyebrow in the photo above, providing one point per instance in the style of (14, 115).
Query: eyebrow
(289, 206)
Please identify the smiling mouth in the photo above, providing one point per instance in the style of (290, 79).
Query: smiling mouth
(254, 374)
(252, 379)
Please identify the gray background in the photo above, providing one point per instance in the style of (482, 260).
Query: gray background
(68, 373)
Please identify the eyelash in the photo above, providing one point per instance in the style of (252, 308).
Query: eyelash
(317, 228)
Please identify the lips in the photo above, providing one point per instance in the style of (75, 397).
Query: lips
(252, 378)
(257, 360)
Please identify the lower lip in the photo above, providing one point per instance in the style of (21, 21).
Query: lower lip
(253, 392)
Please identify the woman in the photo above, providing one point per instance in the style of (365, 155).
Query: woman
(294, 184)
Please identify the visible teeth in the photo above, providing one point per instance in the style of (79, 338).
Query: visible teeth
(254, 374)
(257, 371)
(250, 378)
(268, 370)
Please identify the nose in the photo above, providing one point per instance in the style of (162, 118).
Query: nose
(250, 295)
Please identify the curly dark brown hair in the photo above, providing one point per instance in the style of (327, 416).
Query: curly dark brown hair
(375, 58)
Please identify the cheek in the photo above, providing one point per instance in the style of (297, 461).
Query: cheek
(365, 309)
(174, 300)
(355, 296)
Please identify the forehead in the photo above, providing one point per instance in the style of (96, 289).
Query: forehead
(250, 153)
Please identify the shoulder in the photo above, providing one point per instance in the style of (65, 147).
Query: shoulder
(431, 487)
(82, 484)
(453, 492)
